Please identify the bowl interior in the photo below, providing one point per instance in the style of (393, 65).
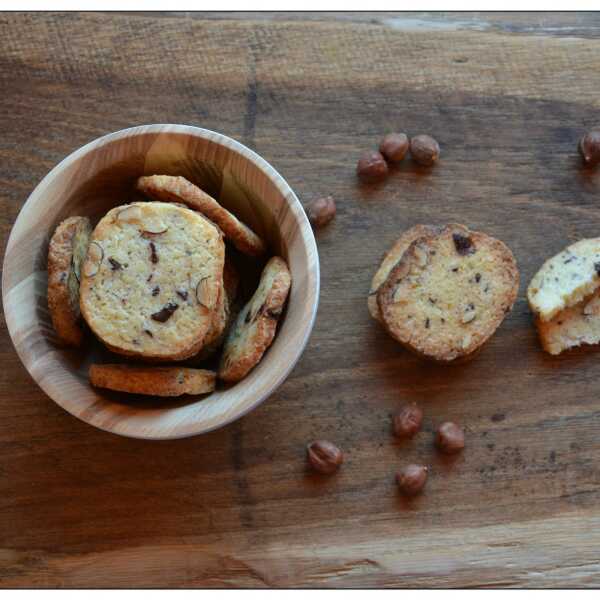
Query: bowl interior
(102, 175)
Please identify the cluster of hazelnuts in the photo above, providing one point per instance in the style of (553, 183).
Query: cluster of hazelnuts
(326, 458)
(373, 165)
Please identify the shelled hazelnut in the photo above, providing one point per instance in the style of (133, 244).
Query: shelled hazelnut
(371, 167)
(407, 421)
(411, 479)
(589, 147)
(424, 150)
(450, 438)
(324, 457)
(394, 147)
(321, 211)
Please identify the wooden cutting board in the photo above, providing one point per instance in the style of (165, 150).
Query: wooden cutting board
(507, 97)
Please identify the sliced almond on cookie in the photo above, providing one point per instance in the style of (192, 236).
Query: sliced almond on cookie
(130, 214)
(207, 292)
(93, 261)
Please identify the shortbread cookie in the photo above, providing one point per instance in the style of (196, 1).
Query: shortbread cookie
(153, 381)
(66, 254)
(179, 189)
(392, 256)
(255, 326)
(574, 326)
(151, 280)
(449, 293)
(565, 279)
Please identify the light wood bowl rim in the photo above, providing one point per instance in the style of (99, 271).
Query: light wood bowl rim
(305, 233)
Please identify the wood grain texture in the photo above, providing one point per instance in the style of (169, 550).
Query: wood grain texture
(236, 507)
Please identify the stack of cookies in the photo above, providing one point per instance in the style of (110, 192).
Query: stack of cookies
(442, 292)
(156, 282)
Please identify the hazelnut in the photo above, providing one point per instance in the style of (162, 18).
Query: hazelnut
(450, 438)
(589, 147)
(424, 150)
(324, 457)
(321, 211)
(411, 479)
(371, 167)
(394, 147)
(408, 421)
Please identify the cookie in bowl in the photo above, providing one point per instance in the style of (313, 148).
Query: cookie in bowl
(178, 189)
(152, 380)
(66, 253)
(224, 315)
(255, 326)
(152, 279)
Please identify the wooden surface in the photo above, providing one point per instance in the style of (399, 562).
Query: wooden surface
(507, 96)
(99, 177)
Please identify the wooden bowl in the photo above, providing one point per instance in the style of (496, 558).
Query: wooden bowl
(101, 175)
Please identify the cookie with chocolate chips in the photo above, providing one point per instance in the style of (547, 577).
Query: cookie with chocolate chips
(154, 381)
(449, 293)
(66, 253)
(152, 279)
(255, 326)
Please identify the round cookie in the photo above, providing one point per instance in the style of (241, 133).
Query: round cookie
(449, 293)
(151, 280)
(66, 253)
(178, 189)
(153, 381)
(392, 256)
(255, 326)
